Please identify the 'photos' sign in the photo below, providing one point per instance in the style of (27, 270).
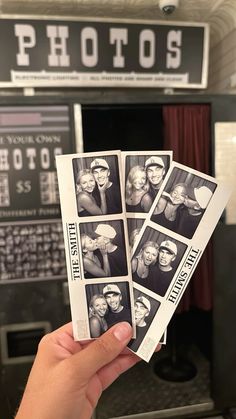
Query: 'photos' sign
(101, 52)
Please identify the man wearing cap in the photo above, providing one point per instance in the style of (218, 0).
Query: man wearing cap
(116, 256)
(155, 169)
(142, 308)
(117, 312)
(164, 271)
(196, 203)
(101, 173)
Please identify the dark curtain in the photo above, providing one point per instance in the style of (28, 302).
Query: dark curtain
(187, 133)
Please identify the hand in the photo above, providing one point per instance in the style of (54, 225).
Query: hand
(101, 244)
(104, 187)
(191, 203)
(167, 196)
(68, 377)
(103, 249)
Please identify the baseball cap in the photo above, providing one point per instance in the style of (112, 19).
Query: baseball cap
(106, 230)
(99, 163)
(154, 161)
(111, 288)
(190, 192)
(203, 196)
(170, 246)
(145, 302)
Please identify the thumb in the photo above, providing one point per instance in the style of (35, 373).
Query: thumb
(102, 351)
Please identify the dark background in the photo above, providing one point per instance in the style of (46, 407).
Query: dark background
(105, 113)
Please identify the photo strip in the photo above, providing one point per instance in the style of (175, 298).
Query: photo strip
(108, 304)
(145, 309)
(134, 228)
(103, 249)
(143, 175)
(97, 178)
(171, 242)
(183, 202)
(156, 260)
(96, 239)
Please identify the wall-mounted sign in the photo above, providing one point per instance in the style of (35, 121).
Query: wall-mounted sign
(30, 138)
(101, 52)
(31, 237)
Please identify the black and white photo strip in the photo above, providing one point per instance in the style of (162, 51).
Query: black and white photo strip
(97, 185)
(143, 175)
(103, 249)
(155, 260)
(183, 202)
(134, 228)
(145, 309)
(107, 304)
(94, 227)
(171, 241)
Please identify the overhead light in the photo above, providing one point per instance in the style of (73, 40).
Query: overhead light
(168, 6)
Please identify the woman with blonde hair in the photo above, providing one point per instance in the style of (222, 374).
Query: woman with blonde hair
(142, 263)
(91, 263)
(136, 191)
(169, 207)
(86, 203)
(97, 310)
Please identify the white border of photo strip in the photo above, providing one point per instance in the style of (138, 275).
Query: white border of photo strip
(141, 216)
(72, 223)
(193, 249)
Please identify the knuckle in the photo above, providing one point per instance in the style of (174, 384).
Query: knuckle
(44, 341)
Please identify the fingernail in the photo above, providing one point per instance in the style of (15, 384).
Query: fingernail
(122, 331)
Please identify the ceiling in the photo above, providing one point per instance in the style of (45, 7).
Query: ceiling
(221, 14)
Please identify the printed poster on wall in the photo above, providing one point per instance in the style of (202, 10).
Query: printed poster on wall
(31, 238)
